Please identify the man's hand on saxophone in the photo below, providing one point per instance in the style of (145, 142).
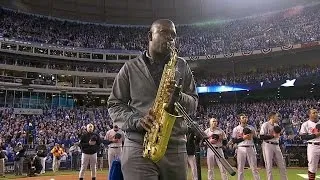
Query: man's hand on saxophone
(147, 121)
(171, 86)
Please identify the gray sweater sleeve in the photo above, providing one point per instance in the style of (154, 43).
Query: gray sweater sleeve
(189, 95)
(119, 110)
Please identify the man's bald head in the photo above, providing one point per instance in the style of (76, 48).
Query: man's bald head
(161, 22)
(162, 32)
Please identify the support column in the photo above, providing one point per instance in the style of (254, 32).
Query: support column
(105, 82)
(56, 79)
(76, 81)
(5, 98)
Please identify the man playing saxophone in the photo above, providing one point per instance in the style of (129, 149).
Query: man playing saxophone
(134, 94)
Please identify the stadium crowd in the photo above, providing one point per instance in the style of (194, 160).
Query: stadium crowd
(64, 126)
(293, 110)
(62, 65)
(295, 25)
(265, 75)
(256, 75)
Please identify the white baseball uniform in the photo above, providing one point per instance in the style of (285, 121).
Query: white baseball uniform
(270, 150)
(211, 158)
(313, 149)
(114, 149)
(246, 150)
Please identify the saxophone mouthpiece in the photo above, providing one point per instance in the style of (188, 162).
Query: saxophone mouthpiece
(172, 47)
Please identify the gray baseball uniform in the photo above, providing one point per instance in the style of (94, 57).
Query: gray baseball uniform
(270, 150)
(246, 150)
(211, 158)
(133, 94)
(313, 149)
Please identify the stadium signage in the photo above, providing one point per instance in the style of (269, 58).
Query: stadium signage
(84, 54)
(287, 47)
(259, 85)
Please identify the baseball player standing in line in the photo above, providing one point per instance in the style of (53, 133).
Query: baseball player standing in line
(90, 145)
(270, 146)
(115, 138)
(218, 138)
(244, 136)
(310, 132)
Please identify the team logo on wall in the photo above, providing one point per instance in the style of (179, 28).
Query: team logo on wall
(247, 53)
(286, 47)
(228, 55)
(194, 58)
(209, 56)
(266, 51)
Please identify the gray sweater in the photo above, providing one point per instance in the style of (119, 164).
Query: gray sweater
(133, 94)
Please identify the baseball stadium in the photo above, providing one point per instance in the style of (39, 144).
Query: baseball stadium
(159, 90)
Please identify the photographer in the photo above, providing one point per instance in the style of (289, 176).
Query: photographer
(192, 140)
(42, 155)
(2, 159)
(100, 157)
(19, 158)
(34, 166)
(75, 153)
(57, 153)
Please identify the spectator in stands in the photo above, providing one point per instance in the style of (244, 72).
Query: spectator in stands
(238, 35)
(265, 75)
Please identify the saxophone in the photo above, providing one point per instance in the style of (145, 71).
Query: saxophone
(156, 140)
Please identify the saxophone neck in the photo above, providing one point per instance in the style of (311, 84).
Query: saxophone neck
(173, 53)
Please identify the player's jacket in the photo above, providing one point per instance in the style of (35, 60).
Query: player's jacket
(84, 143)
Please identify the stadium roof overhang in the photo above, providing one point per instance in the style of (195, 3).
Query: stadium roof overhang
(143, 12)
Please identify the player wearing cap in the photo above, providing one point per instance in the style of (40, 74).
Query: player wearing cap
(217, 138)
(244, 135)
(90, 145)
(270, 134)
(310, 131)
(115, 138)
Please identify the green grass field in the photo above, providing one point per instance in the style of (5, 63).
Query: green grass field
(292, 174)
